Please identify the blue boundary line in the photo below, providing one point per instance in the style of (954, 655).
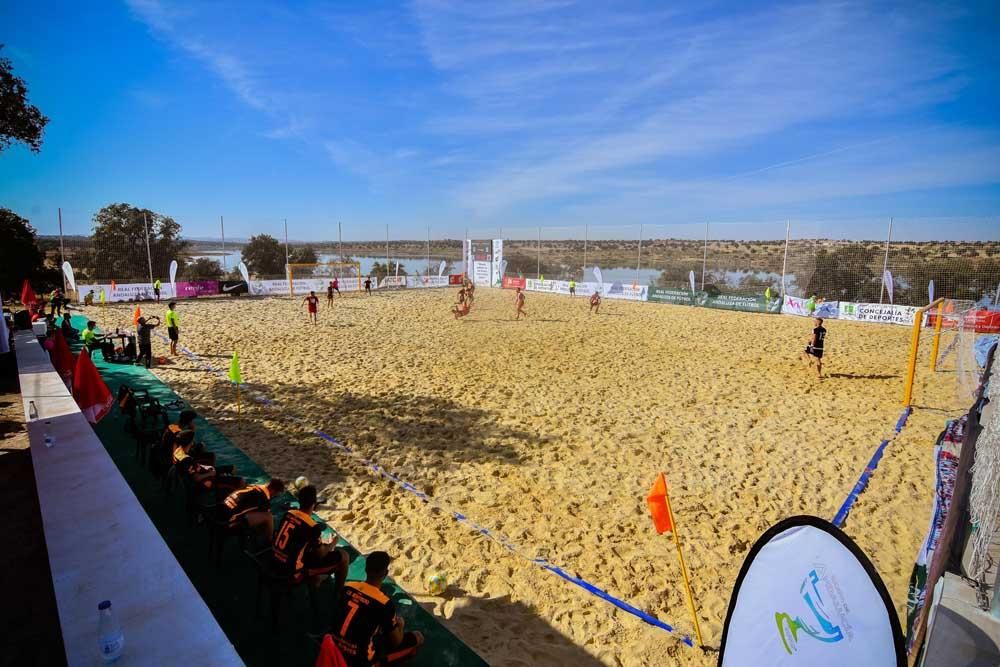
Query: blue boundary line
(862, 483)
(457, 516)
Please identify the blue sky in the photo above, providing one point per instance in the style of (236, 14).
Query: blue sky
(454, 115)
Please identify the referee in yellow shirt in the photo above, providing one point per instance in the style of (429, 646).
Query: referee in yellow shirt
(173, 326)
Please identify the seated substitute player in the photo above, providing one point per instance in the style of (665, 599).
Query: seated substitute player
(595, 302)
(814, 350)
(253, 505)
(312, 305)
(365, 626)
(298, 551)
(205, 476)
(185, 422)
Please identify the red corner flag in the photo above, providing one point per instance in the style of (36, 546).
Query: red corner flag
(61, 357)
(659, 506)
(27, 294)
(135, 317)
(89, 390)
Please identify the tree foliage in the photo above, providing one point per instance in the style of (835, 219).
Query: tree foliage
(264, 256)
(203, 267)
(118, 249)
(22, 257)
(380, 270)
(302, 255)
(19, 120)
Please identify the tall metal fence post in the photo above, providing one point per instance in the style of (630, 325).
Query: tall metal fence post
(340, 243)
(538, 265)
(465, 254)
(704, 259)
(387, 251)
(784, 264)
(638, 263)
(885, 262)
(427, 268)
(149, 256)
(222, 227)
(586, 237)
(288, 269)
(62, 253)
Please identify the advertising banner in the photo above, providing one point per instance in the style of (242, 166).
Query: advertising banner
(982, 321)
(511, 282)
(750, 303)
(393, 281)
(269, 287)
(497, 263)
(426, 281)
(455, 279)
(622, 291)
(884, 313)
(121, 292)
(668, 295)
(794, 305)
(67, 270)
(808, 596)
(195, 288)
(233, 287)
(535, 285)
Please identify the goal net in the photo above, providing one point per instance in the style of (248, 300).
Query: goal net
(315, 277)
(942, 342)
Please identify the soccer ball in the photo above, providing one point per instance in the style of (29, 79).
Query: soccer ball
(300, 483)
(437, 584)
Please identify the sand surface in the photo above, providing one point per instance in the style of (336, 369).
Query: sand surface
(551, 431)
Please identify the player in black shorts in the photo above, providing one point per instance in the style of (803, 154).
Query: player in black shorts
(253, 505)
(206, 477)
(365, 626)
(298, 551)
(814, 350)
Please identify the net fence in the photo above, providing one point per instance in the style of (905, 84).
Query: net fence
(896, 261)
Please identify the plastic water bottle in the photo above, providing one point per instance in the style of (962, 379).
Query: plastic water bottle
(110, 637)
(32, 411)
(50, 439)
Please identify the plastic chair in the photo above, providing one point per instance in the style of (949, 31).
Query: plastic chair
(279, 585)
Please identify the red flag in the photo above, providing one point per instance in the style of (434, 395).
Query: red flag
(91, 394)
(61, 356)
(27, 294)
(329, 654)
(135, 317)
(659, 506)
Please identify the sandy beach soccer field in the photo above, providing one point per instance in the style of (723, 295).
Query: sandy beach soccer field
(551, 431)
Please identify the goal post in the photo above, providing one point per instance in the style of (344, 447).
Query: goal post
(938, 319)
(316, 275)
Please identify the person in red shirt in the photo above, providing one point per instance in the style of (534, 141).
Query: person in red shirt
(595, 302)
(312, 305)
(519, 305)
(365, 626)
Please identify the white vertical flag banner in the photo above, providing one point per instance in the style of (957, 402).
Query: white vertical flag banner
(807, 595)
(68, 272)
(245, 274)
(691, 278)
(887, 279)
(173, 277)
(441, 267)
(930, 292)
(599, 277)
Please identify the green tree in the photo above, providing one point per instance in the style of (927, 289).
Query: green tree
(264, 256)
(380, 270)
(203, 267)
(119, 244)
(19, 120)
(21, 256)
(302, 255)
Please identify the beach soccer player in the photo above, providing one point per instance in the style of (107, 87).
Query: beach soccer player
(519, 305)
(368, 286)
(595, 302)
(336, 286)
(252, 505)
(206, 477)
(811, 305)
(298, 550)
(145, 336)
(156, 290)
(814, 350)
(329, 294)
(312, 305)
(365, 626)
(173, 326)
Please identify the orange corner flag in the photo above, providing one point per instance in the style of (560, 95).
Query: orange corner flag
(135, 317)
(658, 505)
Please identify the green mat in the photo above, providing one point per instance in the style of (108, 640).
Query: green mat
(230, 590)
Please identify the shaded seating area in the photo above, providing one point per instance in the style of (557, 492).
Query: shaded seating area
(269, 618)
